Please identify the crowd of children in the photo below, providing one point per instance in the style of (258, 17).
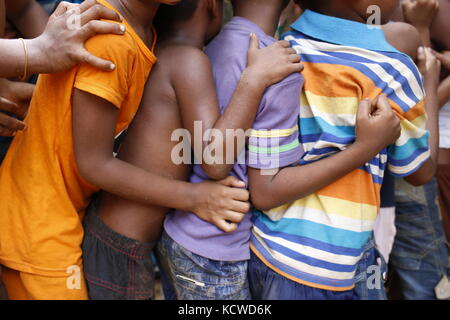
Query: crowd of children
(190, 140)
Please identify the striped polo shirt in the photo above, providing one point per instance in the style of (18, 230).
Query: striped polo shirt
(318, 240)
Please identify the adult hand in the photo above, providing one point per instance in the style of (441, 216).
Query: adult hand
(61, 46)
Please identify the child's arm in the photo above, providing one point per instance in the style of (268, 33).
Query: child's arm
(94, 121)
(444, 86)
(27, 16)
(440, 28)
(291, 183)
(444, 92)
(14, 98)
(196, 94)
(430, 68)
(402, 37)
(421, 13)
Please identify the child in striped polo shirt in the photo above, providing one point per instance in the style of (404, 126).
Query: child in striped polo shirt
(308, 238)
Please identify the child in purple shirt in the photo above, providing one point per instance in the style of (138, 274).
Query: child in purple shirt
(203, 261)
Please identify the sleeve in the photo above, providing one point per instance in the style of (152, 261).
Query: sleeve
(274, 140)
(109, 85)
(411, 150)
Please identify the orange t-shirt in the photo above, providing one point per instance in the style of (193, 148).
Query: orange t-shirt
(42, 195)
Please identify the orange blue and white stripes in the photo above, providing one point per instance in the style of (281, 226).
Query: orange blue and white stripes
(318, 240)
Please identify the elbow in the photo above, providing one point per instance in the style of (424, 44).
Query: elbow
(423, 176)
(261, 201)
(89, 170)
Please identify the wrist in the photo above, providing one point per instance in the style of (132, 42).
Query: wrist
(364, 151)
(253, 79)
(193, 197)
(36, 56)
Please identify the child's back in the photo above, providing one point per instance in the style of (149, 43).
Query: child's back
(318, 240)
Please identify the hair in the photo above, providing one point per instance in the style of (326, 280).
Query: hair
(168, 14)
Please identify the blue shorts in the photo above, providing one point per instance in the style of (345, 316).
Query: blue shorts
(198, 278)
(266, 284)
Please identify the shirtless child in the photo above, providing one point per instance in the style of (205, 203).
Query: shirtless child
(180, 90)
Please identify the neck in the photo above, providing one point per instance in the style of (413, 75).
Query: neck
(265, 15)
(190, 33)
(339, 11)
(138, 13)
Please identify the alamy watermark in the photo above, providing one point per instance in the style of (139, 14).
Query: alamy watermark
(263, 147)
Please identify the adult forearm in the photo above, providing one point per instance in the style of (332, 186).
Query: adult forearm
(294, 183)
(132, 183)
(14, 61)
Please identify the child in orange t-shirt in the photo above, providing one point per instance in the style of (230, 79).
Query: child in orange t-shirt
(66, 155)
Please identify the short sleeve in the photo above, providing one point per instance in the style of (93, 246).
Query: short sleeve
(109, 85)
(411, 150)
(274, 141)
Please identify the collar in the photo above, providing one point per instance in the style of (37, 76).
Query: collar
(341, 31)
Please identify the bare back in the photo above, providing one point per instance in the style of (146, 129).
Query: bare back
(148, 145)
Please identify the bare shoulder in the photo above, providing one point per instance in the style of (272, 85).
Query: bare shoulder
(404, 37)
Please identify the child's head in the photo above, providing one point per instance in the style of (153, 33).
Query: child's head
(210, 11)
(345, 8)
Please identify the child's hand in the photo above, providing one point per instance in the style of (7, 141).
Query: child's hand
(420, 13)
(61, 46)
(444, 58)
(9, 125)
(273, 63)
(377, 126)
(14, 99)
(222, 203)
(430, 67)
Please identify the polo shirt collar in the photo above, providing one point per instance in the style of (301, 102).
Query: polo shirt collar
(341, 31)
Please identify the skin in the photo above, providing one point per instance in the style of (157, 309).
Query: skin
(271, 190)
(179, 103)
(420, 14)
(57, 49)
(438, 31)
(357, 11)
(440, 27)
(408, 38)
(2, 18)
(27, 16)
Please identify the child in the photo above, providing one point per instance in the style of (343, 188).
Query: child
(120, 234)
(421, 268)
(204, 262)
(66, 155)
(313, 245)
